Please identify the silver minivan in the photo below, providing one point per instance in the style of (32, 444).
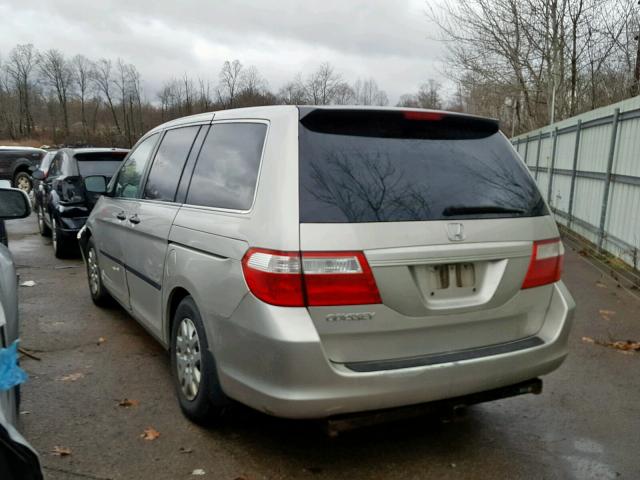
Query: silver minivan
(317, 261)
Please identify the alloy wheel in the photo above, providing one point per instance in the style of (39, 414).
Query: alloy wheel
(188, 358)
(94, 273)
(54, 234)
(23, 183)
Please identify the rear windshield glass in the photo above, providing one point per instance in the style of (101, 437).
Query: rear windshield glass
(99, 163)
(372, 166)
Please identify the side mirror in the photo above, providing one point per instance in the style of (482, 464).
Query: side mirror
(38, 175)
(14, 203)
(96, 184)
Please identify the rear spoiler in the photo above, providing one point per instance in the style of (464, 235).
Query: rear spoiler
(397, 123)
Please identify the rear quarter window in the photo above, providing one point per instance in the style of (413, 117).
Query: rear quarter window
(168, 163)
(227, 168)
(390, 166)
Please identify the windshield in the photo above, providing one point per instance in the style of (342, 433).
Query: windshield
(386, 166)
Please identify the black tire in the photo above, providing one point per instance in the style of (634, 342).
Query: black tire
(43, 228)
(209, 403)
(59, 242)
(22, 180)
(99, 295)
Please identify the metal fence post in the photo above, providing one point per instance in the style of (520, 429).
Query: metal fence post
(574, 171)
(538, 153)
(607, 180)
(553, 164)
(526, 150)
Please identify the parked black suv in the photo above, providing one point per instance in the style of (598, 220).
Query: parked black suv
(16, 164)
(64, 203)
(38, 186)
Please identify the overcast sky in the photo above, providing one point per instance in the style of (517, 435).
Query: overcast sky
(385, 39)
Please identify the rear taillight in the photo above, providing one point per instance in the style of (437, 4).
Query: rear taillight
(274, 277)
(338, 278)
(546, 263)
(312, 278)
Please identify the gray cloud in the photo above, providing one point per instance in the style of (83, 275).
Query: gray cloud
(385, 39)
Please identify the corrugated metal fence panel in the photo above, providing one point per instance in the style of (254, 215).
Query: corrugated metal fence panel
(627, 159)
(560, 192)
(564, 150)
(621, 233)
(623, 221)
(588, 200)
(595, 148)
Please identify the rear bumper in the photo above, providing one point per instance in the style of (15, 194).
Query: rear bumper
(271, 359)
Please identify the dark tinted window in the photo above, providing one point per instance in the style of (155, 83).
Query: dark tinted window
(168, 164)
(227, 168)
(99, 163)
(368, 166)
(127, 184)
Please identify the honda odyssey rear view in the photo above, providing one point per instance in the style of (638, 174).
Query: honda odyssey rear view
(317, 261)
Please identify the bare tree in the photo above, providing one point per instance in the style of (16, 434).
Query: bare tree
(366, 92)
(230, 82)
(323, 85)
(56, 73)
(82, 71)
(104, 82)
(292, 93)
(539, 60)
(428, 96)
(20, 68)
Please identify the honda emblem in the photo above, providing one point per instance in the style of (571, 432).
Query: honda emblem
(455, 231)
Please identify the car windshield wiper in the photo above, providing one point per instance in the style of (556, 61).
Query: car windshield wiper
(454, 210)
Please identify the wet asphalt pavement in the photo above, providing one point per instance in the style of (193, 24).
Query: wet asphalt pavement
(585, 425)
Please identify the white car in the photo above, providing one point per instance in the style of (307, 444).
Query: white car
(17, 459)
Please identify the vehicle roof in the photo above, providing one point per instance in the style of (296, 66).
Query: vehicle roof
(94, 150)
(17, 148)
(268, 111)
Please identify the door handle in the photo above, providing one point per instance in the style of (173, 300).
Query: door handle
(135, 219)
(121, 216)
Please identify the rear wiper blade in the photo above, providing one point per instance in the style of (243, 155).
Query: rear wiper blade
(478, 209)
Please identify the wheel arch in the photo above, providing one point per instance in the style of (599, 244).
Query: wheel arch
(21, 166)
(177, 294)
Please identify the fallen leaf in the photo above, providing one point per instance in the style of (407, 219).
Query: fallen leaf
(125, 402)
(100, 341)
(198, 471)
(28, 283)
(600, 284)
(61, 451)
(186, 450)
(625, 346)
(150, 433)
(72, 377)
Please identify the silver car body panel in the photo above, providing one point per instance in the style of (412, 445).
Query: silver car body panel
(299, 362)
